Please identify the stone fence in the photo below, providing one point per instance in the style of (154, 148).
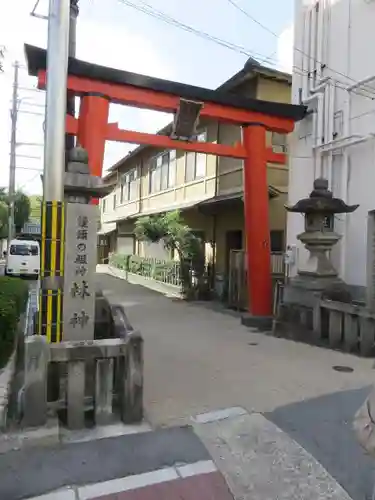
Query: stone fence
(346, 326)
(112, 369)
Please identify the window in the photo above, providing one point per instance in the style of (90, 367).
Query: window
(190, 166)
(277, 241)
(172, 169)
(164, 166)
(23, 250)
(114, 201)
(279, 142)
(104, 200)
(195, 163)
(163, 172)
(338, 125)
(128, 188)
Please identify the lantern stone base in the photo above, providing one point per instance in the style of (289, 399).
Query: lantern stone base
(306, 289)
(301, 297)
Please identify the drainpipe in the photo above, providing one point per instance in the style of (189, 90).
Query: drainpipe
(214, 219)
(331, 114)
(306, 54)
(318, 97)
(345, 166)
(322, 84)
(140, 202)
(140, 185)
(303, 56)
(351, 142)
(313, 48)
(320, 30)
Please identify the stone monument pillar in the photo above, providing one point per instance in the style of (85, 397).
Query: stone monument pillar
(80, 249)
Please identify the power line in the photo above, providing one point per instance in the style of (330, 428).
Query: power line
(158, 14)
(151, 11)
(269, 30)
(28, 181)
(32, 169)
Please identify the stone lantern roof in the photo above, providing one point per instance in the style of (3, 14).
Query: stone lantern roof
(321, 201)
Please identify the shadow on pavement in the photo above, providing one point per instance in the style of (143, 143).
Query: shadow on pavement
(323, 426)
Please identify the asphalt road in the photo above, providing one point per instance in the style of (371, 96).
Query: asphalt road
(198, 359)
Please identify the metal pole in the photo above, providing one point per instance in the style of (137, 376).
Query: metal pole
(57, 67)
(52, 233)
(74, 11)
(13, 146)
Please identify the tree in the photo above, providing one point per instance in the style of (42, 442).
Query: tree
(176, 235)
(21, 211)
(35, 207)
(3, 220)
(3, 214)
(2, 52)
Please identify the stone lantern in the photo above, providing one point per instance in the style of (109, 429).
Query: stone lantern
(319, 274)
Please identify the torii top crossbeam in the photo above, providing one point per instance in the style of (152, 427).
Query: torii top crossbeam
(98, 86)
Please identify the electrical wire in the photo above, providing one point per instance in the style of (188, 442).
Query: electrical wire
(29, 180)
(297, 49)
(158, 14)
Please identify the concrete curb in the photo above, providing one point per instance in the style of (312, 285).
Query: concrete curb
(6, 377)
(136, 279)
(7, 373)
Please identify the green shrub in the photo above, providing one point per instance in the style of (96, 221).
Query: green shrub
(120, 261)
(13, 300)
(161, 270)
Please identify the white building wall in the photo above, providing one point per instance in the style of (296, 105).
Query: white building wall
(335, 43)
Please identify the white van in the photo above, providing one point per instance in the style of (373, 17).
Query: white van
(23, 258)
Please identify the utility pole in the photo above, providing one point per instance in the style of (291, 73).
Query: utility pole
(13, 146)
(52, 240)
(70, 108)
(57, 68)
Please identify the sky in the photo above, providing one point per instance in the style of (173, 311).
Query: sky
(111, 33)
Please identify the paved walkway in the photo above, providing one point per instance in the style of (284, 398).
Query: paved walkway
(224, 455)
(231, 414)
(197, 360)
(165, 463)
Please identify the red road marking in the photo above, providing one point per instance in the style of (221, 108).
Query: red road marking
(209, 486)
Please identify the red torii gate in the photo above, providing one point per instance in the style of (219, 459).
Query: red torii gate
(97, 86)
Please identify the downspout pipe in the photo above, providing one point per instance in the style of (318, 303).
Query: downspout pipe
(331, 113)
(353, 142)
(305, 55)
(313, 42)
(214, 218)
(318, 97)
(320, 30)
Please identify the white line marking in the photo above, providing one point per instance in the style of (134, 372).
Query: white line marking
(127, 483)
(214, 416)
(203, 467)
(105, 431)
(147, 479)
(66, 494)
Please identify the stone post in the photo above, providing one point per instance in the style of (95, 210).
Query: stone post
(35, 395)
